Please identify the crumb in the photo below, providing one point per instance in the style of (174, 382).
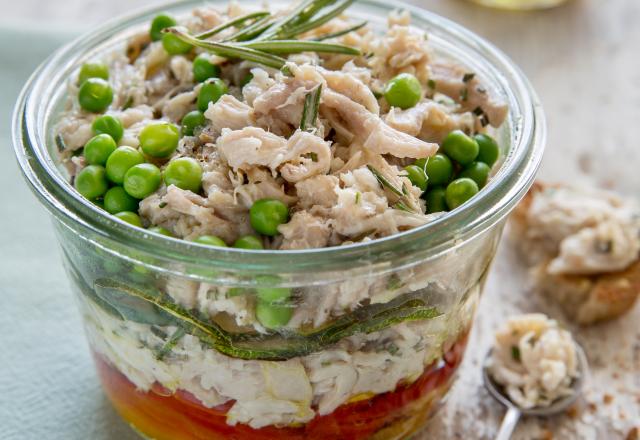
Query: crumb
(548, 435)
(572, 412)
(607, 399)
(615, 375)
(592, 407)
(633, 434)
(585, 163)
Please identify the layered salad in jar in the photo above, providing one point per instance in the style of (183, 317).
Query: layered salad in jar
(278, 130)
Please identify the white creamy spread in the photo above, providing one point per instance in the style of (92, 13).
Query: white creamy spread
(534, 360)
(592, 231)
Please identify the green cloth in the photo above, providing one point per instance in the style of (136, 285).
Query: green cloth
(48, 386)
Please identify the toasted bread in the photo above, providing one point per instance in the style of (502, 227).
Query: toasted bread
(585, 299)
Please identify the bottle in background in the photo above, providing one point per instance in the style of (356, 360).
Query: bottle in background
(520, 4)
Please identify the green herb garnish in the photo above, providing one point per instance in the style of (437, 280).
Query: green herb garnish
(261, 36)
(135, 304)
(310, 109)
(515, 353)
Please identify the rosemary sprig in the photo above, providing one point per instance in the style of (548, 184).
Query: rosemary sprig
(252, 31)
(261, 36)
(310, 109)
(384, 182)
(232, 23)
(297, 46)
(340, 33)
(229, 50)
(308, 25)
(403, 203)
(114, 296)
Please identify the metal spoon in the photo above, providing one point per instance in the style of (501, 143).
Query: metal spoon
(514, 412)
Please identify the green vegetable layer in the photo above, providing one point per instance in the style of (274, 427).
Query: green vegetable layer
(153, 308)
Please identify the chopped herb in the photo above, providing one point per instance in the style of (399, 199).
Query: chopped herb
(128, 103)
(384, 183)
(170, 343)
(464, 94)
(286, 71)
(358, 196)
(468, 77)
(604, 247)
(392, 349)
(431, 84)
(515, 353)
(162, 204)
(310, 110)
(60, 143)
(402, 207)
(394, 282)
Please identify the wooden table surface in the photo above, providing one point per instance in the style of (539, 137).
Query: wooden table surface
(583, 59)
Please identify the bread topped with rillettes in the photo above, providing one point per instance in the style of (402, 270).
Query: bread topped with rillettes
(584, 249)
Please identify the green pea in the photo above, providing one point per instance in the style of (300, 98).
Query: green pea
(210, 240)
(459, 191)
(174, 45)
(95, 95)
(91, 182)
(478, 172)
(93, 70)
(403, 91)
(489, 150)
(107, 124)
(159, 23)
(460, 147)
(142, 180)
(185, 173)
(271, 295)
(160, 230)
(439, 169)
(120, 161)
(117, 200)
(436, 201)
(246, 79)
(267, 214)
(203, 69)
(273, 316)
(98, 149)
(191, 121)
(130, 217)
(211, 91)
(249, 242)
(159, 139)
(417, 176)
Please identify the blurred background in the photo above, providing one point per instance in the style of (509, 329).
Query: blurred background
(582, 58)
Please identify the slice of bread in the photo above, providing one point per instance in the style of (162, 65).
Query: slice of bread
(585, 299)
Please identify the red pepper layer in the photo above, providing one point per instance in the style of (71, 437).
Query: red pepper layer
(162, 415)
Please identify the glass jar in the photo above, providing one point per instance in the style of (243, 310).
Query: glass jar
(376, 330)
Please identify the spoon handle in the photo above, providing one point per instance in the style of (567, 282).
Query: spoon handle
(508, 423)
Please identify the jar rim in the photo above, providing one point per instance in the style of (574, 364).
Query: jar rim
(492, 204)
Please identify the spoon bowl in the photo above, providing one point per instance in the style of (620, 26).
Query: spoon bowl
(514, 411)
